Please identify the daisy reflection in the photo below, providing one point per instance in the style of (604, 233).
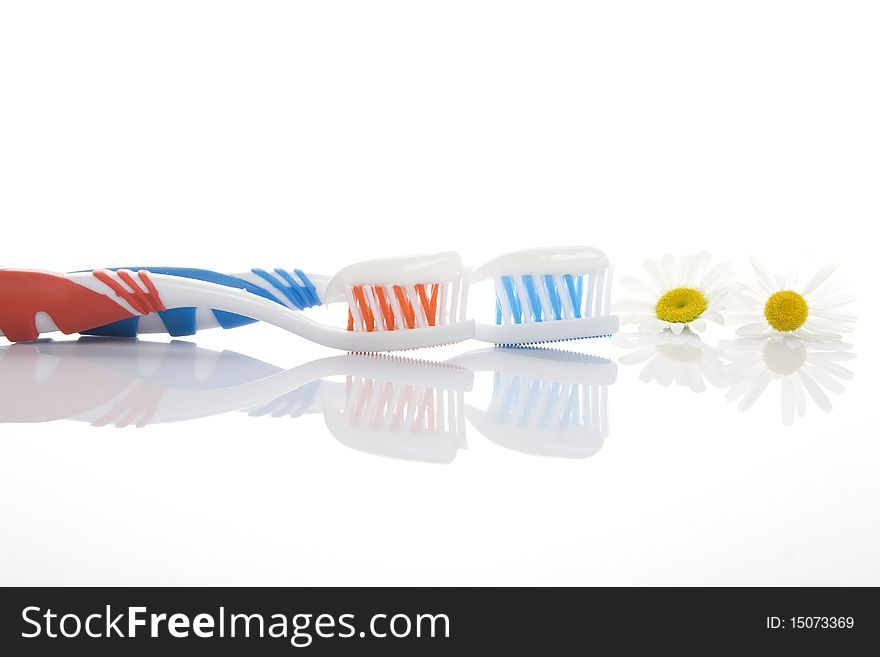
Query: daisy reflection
(804, 368)
(684, 359)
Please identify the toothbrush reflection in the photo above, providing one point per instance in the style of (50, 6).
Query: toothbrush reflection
(390, 406)
(545, 402)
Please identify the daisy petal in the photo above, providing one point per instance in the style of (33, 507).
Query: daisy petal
(671, 271)
(697, 269)
(652, 325)
(637, 356)
(824, 379)
(787, 398)
(714, 316)
(712, 374)
(639, 287)
(756, 391)
(831, 367)
(656, 275)
(830, 303)
(816, 334)
(834, 287)
(686, 262)
(632, 340)
(815, 391)
(666, 373)
(744, 383)
(820, 277)
(633, 305)
(695, 376)
(715, 276)
(800, 401)
(764, 278)
(834, 316)
(746, 295)
(754, 329)
(649, 372)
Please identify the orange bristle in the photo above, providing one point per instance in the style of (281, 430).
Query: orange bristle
(366, 311)
(385, 305)
(405, 306)
(429, 306)
(372, 308)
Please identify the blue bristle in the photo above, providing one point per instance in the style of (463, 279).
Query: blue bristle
(534, 300)
(509, 400)
(529, 298)
(553, 293)
(548, 408)
(572, 411)
(573, 295)
(513, 299)
(534, 393)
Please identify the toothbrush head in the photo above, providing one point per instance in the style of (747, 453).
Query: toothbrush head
(403, 303)
(547, 295)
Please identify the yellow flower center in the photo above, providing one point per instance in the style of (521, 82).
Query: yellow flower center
(786, 311)
(681, 305)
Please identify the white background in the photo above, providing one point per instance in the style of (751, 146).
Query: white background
(230, 135)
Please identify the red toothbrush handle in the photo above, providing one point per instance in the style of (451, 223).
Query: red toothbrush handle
(72, 307)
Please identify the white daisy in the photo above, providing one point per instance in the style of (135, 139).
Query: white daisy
(776, 306)
(679, 294)
(799, 365)
(682, 359)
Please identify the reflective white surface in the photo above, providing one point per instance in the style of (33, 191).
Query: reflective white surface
(544, 401)
(138, 462)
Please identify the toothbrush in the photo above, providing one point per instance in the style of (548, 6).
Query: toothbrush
(548, 294)
(567, 300)
(395, 303)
